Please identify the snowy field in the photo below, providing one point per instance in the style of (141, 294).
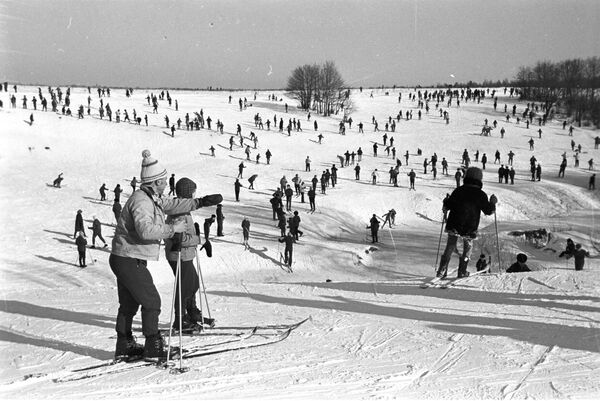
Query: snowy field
(374, 333)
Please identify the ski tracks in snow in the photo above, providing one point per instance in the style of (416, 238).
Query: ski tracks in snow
(370, 342)
(509, 391)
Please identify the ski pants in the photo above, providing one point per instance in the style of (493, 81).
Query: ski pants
(135, 287)
(81, 258)
(287, 256)
(189, 285)
(94, 238)
(450, 248)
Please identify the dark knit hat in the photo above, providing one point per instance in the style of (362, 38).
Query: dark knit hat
(185, 188)
(522, 258)
(474, 176)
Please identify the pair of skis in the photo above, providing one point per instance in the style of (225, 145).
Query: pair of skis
(445, 283)
(240, 342)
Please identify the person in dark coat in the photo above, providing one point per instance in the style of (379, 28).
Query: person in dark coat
(251, 181)
(289, 192)
(220, 219)
(237, 185)
(275, 204)
(97, 232)
(411, 177)
(103, 192)
(311, 199)
(288, 252)
(570, 248)
(117, 192)
(465, 205)
(374, 226)
(483, 264)
(357, 172)
(246, 231)
(519, 266)
(207, 223)
(57, 181)
(81, 243)
(117, 208)
(295, 226)
(133, 184)
(457, 177)
(79, 224)
(579, 254)
(172, 185)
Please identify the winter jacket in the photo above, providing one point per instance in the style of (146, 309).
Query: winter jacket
(579, 255)
(517, 268)
(81, 243)
(79, 223)
(97, 227)
(189, 239)
(465, 205)
(289, 242)
(142, 224)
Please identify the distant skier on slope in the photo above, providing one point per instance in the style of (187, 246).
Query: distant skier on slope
(465, 205)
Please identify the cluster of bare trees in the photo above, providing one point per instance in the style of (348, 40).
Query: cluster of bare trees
(571, 85)
(319, 88)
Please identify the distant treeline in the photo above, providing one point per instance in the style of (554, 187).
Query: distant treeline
(571, 85)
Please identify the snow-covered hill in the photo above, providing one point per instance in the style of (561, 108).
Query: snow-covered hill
(374, 332)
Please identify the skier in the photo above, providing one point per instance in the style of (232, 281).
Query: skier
(289, 248)
(519, 266)
(311, 199)
(220, 218)
(579, 255)
(483, 264)
(207, 223)
(246, 231)
(102, 191)
(81, 243)
(251, 181)
(172, 185)
(117, 210)
(412, 176)
(237, 185)
(137, 239)
(78, 224)
(307, 164)
(96, 232)
(374, 226)
(57, 181)
(181, 249)
(357, 172)
(241, 168)
(133, 184)
(390, 218)
(465, 205)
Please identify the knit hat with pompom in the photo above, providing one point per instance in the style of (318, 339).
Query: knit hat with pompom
(151, 170)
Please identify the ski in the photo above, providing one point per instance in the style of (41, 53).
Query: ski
(123, 365)
(437, 280)
(455, 280)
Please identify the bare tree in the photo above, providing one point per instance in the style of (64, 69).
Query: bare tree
(320, 88)
(302, 84)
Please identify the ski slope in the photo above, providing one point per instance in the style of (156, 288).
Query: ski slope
(373, 333)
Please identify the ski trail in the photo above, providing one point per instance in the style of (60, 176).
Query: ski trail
(447, 360)
(509, 394)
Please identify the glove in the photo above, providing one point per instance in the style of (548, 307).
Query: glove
(197, 227)
(493, 200)
(176, 242)
(209, 200)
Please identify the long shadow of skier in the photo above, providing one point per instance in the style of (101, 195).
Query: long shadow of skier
(23, 338)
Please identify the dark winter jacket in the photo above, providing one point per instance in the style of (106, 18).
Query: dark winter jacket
(81, 243)
(97, 227)
(518, 268)
(79, 222)
(579, 255)
(289, 242)
(465, 205)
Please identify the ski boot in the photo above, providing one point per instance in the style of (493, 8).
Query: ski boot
(128, 349)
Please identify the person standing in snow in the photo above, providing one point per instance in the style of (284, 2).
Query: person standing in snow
(374, 226)
(288, 252)
(207, 223)
(182, 247)
(139, 232)
(117, 192)
(81, 243)
(133, 184)
(117, 210)
(412, 175)
(103, 192)
(172, 185)
(465, 205)
(246, 231)
(79, 224)
(579, 255)
(97, 232)
(220, 218)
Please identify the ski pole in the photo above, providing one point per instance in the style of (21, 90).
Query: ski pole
(497, 243)
(172, 310)
(439, 242)
(203, 287)
(180, 310)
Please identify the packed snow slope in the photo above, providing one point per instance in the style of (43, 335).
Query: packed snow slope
(374, 332)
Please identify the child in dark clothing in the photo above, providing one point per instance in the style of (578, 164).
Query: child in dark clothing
(519, 266)
(483, 264)
(81, 243)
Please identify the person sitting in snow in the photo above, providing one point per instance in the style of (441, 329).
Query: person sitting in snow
(519, 266)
